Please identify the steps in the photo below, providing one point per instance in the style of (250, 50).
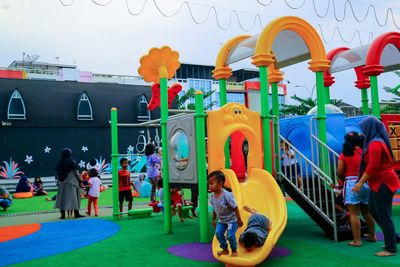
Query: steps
(321, 211)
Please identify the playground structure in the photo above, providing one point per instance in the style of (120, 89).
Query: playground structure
(317, 146)
(269, 51)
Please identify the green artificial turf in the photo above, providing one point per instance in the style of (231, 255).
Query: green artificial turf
(142, 242)
(40, 204)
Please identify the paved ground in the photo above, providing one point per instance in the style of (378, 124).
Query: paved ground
(53, 216)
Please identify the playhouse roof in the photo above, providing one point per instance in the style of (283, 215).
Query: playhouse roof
(355, 57)
(289, 48)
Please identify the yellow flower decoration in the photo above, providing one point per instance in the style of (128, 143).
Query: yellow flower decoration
(159, 63)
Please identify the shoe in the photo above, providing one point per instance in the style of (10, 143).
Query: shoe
(79, 216)
(385, 253)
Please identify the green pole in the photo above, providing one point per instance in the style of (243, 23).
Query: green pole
(222, 92)
(364, 101)
(375, 97)
(114, 159)
(275, 112)
(265, 118)
(164, 140)
(201, 166)
(222, 101)
(321, 117)
(327, 95)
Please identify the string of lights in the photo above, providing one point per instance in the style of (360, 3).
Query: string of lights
(257, 19)
(102, 4)
(64, 4)
(348, 4)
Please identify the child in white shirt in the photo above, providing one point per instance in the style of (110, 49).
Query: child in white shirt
(94, 191)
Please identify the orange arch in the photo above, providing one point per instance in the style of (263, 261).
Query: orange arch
(263, 53)
(222, 71)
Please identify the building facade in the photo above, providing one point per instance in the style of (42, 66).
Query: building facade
(47, 107)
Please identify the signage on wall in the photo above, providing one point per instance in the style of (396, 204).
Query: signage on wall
(6, 123)
(394, 135)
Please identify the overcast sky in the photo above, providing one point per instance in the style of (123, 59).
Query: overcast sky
(108, 39)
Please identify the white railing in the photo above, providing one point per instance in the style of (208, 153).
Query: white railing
(320, 151)
(312, 183)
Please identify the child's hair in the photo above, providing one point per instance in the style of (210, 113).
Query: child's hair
(149, 149)
(219, 176)
(361, 139)
(160, 183)
(250, 239)
(93, 162)
(141, 176)
(122, 160)
(93, 172)
(351, 140)
(38, 182)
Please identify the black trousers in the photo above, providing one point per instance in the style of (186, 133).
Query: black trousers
(380, 206)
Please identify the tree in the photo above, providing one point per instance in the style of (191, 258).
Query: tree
(304, 106)
(190, 94)
(392, 109)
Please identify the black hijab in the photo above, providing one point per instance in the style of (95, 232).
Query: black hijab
(22, 185)
(65, 165)
(373, 130)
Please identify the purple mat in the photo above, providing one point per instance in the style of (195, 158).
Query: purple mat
(202, 252)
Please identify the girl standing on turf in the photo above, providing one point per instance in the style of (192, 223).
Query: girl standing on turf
(152, 170)
(94, 191)
(348, 167)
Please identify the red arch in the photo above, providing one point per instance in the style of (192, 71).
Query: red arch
(372, 65)
(362, 81)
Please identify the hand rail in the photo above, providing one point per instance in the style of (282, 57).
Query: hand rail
(320, 182)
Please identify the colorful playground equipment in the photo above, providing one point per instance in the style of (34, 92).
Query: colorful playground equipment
(260, 190)
(317, 139)
(179, 160)
(283, 42)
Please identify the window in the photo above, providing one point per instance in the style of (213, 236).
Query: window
(206, 87)
(85, 111)
(16, 107)
(143, 113)
(236, 97)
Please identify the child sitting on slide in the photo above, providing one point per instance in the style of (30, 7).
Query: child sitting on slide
(258, 227)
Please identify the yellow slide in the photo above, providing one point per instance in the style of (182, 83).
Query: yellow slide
(262, 193)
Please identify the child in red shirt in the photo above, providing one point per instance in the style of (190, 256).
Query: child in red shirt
(177, 202)
(124, 185)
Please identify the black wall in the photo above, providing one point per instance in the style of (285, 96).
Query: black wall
(51, 121)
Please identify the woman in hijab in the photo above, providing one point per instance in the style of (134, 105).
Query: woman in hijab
(68, 194)
(23, 185)
(376, 168)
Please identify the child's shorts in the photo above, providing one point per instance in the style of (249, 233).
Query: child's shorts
(351, 198)
(126, 194)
